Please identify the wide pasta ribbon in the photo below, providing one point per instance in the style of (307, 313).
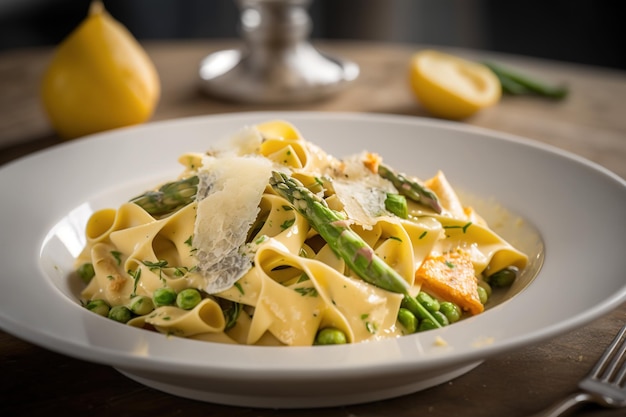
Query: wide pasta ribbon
(206, 317)
(325, 298)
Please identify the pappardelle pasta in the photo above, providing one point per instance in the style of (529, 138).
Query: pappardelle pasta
(266, 239)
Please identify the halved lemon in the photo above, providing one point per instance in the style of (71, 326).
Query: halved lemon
(451, 87)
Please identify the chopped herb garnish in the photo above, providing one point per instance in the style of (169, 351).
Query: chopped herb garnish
(261, 239)
(153, 266)
(117, 255)
(371, 327)
(180, 271)
(464, 227)
(303, 277)
(136, 275)
(423, 235)
(307, 291)
(287, 224)
(231, 314)
(239, 287)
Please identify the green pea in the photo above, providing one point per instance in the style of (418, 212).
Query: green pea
(441, 318)
(451, 311)
(141, 305)
(427, 324)
(188, 298)
(164, 296)
(408, 320)
(330, 336)
(120, 313)
(396, 204)
(431, 304)
(486, 286)
(98, 306)
(86, 272)
(411, 304)
(483, 295)
(503, 278)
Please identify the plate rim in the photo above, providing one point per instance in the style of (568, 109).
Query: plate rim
(70, 349)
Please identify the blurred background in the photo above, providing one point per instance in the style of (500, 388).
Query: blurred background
(581, 31)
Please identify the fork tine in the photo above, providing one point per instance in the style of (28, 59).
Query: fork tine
(603, 385)
(620, 378)
(607, 365)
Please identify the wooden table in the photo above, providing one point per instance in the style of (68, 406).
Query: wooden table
(591, 122)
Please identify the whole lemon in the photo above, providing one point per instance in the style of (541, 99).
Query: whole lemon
(99, 78)
(451, 87)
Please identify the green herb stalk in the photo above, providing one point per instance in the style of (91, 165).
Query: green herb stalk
(169, 197)
(410, 188)
(347, 244)
(516, 83)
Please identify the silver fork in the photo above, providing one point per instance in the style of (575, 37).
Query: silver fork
(604, 385)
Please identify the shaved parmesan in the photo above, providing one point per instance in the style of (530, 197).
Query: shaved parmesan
(361, 192)
(246, 141)
(229, 193)
(361, 202)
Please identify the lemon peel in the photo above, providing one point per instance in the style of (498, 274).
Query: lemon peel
(451, 87)
(99, 78)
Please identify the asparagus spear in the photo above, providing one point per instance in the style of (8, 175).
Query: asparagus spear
(409, 188)
(348, 245)
(169, 197)
(516, 83)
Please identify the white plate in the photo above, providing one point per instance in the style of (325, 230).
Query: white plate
(577, 207)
